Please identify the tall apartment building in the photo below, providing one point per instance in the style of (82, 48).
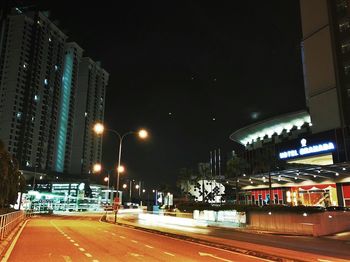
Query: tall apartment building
(63, 147)
(89, 109)
(40, 95)
(32, 52)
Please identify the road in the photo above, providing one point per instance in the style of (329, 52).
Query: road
(305, 248)
(69, 238)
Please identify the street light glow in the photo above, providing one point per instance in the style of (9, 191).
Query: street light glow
(97, 168)
(143, 190)
(121, 169)
(143, 133)
(124, 185)
(98, 128)
(137, 186)
(106, 179)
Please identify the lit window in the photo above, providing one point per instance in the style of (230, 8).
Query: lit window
(33, 118)
(45, 81)
(56, 67)
(345, 46)
(49, 39)
(86, 114)
(347, 68)
(19, 114)
(27, 163)
(36, 98)
(344, 25)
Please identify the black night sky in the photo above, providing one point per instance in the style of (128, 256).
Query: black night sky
(175, 66)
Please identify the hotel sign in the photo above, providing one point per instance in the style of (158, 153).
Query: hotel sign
(307, 149)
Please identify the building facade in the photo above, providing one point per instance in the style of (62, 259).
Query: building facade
(291, 165)
(32, 52)
(89, 103)
(68, 95)
(43, 109)
(326, 63)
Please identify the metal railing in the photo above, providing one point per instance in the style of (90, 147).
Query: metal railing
(9, 221)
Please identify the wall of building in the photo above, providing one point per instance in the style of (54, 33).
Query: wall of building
(90, 102)
(319, 66)
(31, 70)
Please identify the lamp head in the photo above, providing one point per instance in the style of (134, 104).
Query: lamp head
(143, 134)
(121, 169)
(99, 128)
(96, 168)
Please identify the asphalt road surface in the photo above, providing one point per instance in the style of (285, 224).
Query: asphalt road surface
(68, 238)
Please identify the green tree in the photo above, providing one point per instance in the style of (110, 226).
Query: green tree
(236, 167)
(265, 161)
(11, 179)
(204, 174)
(185, 180)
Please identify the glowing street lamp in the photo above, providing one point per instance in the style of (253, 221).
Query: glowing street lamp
(137, 187)
(121, 169)
(143, 134)
(125, 186)
(99, 129)
(96, 168)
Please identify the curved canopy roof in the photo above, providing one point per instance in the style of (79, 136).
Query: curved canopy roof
(271, 126)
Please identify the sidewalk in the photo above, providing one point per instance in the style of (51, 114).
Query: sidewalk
(5, 243)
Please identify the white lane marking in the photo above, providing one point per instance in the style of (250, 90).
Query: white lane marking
(76, 244)
(202, 254)
(72, 240)
(105, 231)
(9, 251)
(122, 237)
(169, 254)
(149, 246)
(88, 255)
(81, 249)
(113, 234)
(134, 241)
(206, 246)
(323, 260)
(67, 258)
(95, 260)
(135, 255)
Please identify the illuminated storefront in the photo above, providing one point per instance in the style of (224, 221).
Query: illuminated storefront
(315, 174)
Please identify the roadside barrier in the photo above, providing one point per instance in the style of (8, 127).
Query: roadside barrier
(9, 221)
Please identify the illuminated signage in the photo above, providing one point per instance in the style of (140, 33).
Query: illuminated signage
(306, 150)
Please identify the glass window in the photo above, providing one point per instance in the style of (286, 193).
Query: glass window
(345, 46)
(344, 25)
(347, 68)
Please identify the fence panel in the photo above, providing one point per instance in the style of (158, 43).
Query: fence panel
(9, 221)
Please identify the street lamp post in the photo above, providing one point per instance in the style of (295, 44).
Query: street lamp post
(99, 129)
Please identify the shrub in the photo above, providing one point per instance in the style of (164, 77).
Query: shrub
(189, 207)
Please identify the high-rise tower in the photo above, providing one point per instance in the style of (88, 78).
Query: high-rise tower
(89, 109)
(32, 52)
